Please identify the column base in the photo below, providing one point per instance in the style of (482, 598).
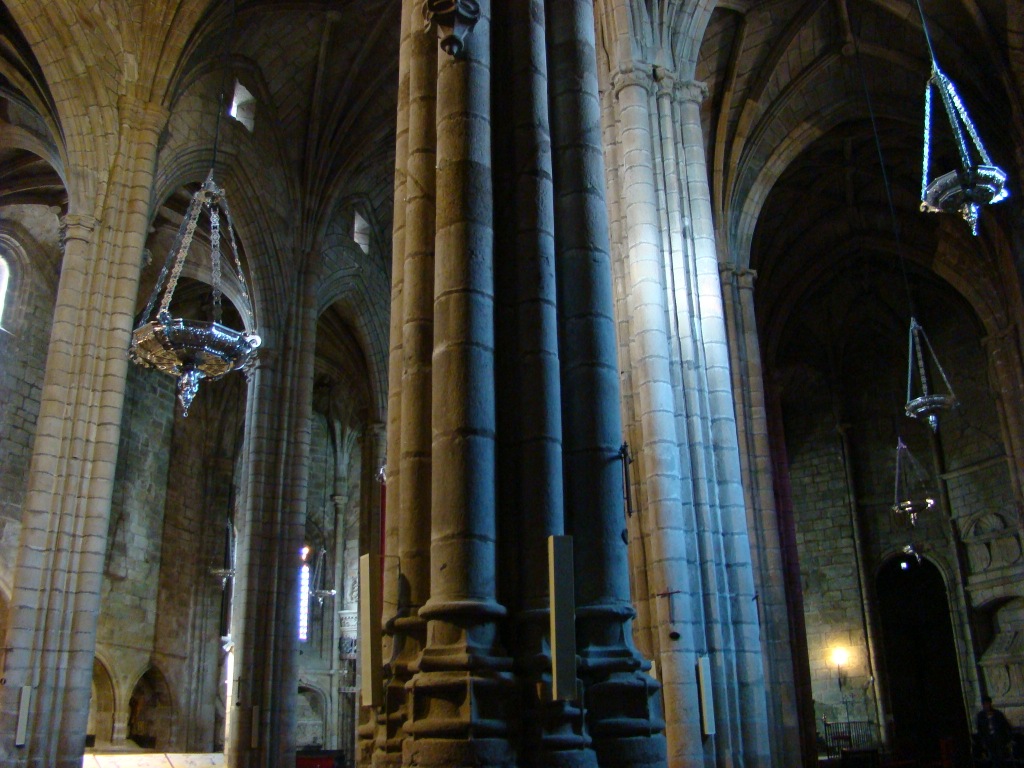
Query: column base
(632, 752)
(459, 753)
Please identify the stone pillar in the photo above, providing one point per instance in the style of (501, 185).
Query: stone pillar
(623, 713)
(460, 698)
(727, 571)
(533, 495)
(413, 449)
(762, 516)
(373, 500)
(51, 629)
(373, 722)
(271, 530)
(678, 631)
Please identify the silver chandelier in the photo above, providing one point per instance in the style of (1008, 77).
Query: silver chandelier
(193, 350)
(977, 182)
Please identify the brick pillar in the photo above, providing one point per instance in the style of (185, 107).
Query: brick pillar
(1002, 349)
(51, 634)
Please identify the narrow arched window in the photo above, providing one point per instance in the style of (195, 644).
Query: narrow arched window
(4, 275)
(361, 231)
(304, 597)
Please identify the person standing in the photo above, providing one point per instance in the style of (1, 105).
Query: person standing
(993, 732)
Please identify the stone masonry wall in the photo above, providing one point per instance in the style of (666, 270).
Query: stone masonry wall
(33, 258)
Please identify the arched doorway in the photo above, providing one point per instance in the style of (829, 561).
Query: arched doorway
(100, 730)
(151, 713)
(920, 659)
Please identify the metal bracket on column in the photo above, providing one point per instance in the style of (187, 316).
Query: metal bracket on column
(454, 20)
(627, 490)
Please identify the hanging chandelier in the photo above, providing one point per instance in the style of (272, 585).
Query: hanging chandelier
(922, 402)
(193, 350)
(978, 181)
(910, 495)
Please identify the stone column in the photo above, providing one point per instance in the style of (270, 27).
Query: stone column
(271, 530)
(727, 568)
(677, 628)
(372, 722)
(460, 698)
(623, 713)
(762, 515)
(372, 500)
(553, 733)
(412, 507)
(55, 602)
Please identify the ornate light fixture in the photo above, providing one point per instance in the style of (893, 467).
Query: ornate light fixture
(316, 580)
(910, 496)
(193, 350)
(978, 181)
(921, 401)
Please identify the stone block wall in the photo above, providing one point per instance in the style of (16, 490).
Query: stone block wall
(30, 244)
(972, 465)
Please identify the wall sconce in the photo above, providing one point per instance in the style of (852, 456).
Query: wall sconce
(840, 657)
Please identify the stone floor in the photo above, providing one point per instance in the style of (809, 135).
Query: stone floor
(153, 760)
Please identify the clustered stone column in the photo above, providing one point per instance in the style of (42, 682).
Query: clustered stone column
(271, 529)
(692, 529)
(502, 277)
(764, 518)
(55, 602)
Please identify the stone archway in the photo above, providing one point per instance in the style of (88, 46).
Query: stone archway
(310, 718)
(151, 712)
(102, 706)
(920, 659)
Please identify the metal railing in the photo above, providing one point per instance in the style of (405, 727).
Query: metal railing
(849, 734)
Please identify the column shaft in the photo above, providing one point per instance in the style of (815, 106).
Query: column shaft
(51, 636)
(665, 550)
(552, 731)
(261, 720)
(623, 713)
(459, 699)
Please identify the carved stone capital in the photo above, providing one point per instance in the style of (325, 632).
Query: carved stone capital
(632, 75)
(742, 276)
(76, 226)
(692, 90)
(454, 19)
(666, 80)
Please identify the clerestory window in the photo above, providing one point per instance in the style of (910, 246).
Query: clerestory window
(4, 275)
(243, 107)
(304, 597)
(361, 232)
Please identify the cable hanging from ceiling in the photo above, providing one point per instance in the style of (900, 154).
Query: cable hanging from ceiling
(911, 497)
(924, 401)
(191, 349)
(978, 181)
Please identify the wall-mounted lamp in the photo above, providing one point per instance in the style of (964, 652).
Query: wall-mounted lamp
(840, 657)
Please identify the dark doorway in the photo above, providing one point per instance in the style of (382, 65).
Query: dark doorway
(920, 659)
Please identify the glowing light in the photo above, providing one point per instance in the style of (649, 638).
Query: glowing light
(4, 272)
(304, 600)
(840, 656)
